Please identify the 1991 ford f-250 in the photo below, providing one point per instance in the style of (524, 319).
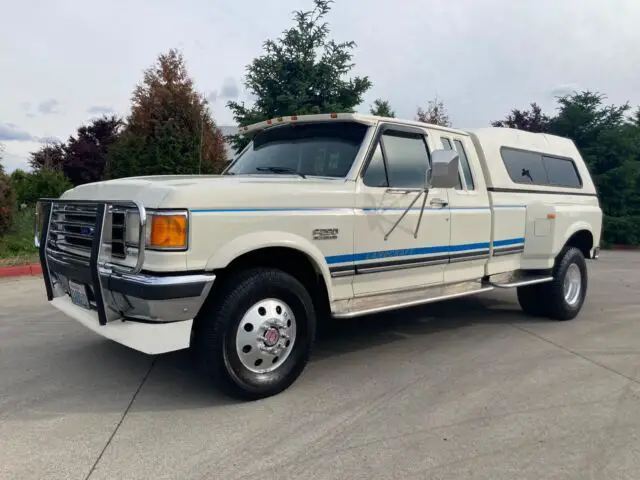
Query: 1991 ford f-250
(338, 215)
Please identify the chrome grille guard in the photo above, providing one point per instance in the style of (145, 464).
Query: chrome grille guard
(71, 233)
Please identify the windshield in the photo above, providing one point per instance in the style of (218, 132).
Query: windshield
(316, 149)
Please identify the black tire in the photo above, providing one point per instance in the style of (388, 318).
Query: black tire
(219, 321)
(531, 300)
(557, 306)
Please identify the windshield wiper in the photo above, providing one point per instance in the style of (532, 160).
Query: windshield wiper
(280, 170)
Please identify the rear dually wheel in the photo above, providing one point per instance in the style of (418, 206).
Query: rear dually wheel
(563, 297)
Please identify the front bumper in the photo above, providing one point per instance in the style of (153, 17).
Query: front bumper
(149, 312)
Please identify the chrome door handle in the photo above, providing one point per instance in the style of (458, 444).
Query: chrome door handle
(437, 202)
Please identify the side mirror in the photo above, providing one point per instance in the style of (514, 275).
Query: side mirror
(444, 169)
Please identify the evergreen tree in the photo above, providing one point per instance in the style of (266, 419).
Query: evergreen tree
(302, 72)
(170, 129)
(382, 108)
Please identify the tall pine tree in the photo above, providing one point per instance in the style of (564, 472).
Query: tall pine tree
(302, 72)
(170, 129)
(382, 108)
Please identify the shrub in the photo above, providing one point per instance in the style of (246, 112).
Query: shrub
(6, 204)
(621, 230)
(29, 187)
(17, 244)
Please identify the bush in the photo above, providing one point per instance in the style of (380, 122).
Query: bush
(6, 204)
(29, 187)
(17, 244)
(621, 230)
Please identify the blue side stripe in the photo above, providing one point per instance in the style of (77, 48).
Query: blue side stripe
(407, 252)
(337, 209)
(272, 209)
(508, 242)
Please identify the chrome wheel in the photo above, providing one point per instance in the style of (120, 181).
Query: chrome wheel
(265, 335)
(572, 284)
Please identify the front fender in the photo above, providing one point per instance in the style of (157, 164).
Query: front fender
(258, 240)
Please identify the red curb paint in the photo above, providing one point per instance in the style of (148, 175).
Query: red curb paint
(625, 247)
(21, 270)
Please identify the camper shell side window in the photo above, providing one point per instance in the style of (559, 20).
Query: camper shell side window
(535, 168)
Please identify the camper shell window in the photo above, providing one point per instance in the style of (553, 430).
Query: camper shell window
(533, 168)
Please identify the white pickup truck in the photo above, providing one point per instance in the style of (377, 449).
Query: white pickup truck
(333, 215)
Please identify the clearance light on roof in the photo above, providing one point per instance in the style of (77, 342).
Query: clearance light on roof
(294, 117)
(334, 115)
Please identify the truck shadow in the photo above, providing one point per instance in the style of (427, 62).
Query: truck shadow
(175, 383)
(337, 337)
(95, 374)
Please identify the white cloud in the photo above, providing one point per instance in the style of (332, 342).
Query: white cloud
(49, 107)
(481, 58)
(10, 132)
(100, 110)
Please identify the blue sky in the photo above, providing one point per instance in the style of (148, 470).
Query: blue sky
(65, 62)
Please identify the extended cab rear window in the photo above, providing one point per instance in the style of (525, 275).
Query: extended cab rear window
(540, 169)
(325, 149)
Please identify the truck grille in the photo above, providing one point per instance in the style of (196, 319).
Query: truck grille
(73, 226)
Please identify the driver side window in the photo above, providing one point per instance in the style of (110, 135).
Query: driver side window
(400, 160)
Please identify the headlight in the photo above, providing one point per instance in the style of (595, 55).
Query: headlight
(166, 230)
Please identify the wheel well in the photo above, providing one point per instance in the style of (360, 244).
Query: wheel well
(583, 240)
(289, 260)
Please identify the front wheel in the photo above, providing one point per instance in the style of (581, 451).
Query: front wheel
(255, 338)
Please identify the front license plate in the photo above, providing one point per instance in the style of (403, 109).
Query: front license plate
(78, 293)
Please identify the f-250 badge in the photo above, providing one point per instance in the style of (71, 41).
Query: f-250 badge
(325, 234)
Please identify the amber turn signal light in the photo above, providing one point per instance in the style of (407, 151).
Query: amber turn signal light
(168, 231)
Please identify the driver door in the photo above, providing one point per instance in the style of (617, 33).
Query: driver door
(407, 257)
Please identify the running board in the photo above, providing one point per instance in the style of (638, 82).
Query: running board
(517, 279)
(359, 306)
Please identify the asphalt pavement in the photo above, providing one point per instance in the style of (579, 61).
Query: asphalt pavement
(467, 389)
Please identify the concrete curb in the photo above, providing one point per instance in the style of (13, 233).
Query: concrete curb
(32, 269)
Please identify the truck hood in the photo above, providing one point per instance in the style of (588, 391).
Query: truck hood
(219, 191)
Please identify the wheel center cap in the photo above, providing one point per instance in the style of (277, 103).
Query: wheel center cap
(271, 336)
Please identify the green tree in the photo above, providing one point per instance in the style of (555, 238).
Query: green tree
(382, 108)
(610, 144)
(435, 114)
(6, 198)
(302, 72)
(608, 138)
(170, 129)
(28, 187)
(583, 117)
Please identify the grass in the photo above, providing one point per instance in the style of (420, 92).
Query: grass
(16, 247)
